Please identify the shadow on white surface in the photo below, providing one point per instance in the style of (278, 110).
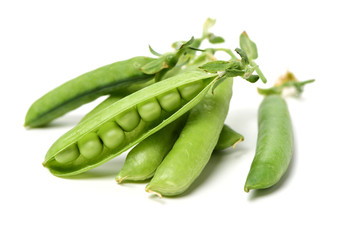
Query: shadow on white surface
(217, 160)
(69, 121)
(107, 170)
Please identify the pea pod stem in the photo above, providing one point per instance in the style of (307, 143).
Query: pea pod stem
(258, 71)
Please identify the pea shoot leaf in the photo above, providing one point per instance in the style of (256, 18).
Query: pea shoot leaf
(215, 39)
(215, 66)
(154, 52)
(253, 78)
(210, 22)
(244, 56)
(248, 46)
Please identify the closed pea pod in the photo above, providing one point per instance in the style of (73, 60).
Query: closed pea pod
(274, 147)
(194, 147)
(110, 113)
(143, 160)
(116, 77)
(228, 138)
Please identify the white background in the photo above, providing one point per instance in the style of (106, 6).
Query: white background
(45, 43)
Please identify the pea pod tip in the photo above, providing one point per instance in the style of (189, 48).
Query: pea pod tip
(119, 179)
(235, 144)
(153, 192)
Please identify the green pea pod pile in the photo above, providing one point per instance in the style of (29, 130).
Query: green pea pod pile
(170, 111)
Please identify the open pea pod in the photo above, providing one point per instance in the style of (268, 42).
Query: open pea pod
(126, 122)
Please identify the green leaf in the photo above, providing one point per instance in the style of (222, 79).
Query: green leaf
(182, 44)
(234, 72)
(186, 44)
(248, 46)
(215, 39)
(177, 45)
(215, 66)
(235, 64)
(154, 52)
(245, 59)
(253, 78)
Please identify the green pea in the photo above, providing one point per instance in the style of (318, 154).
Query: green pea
(111, 112)
(194, 147)
(67, 155)
(170, 100)
(128, 120)
(114, 78)
(90, 146)
(274, 148)
(111, 135)
(149, 110)
(189, 91)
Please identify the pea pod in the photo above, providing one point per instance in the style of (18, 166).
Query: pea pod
(194, 147)
(228, 138)
(118, 76)
(143, 160)
(124, 116)
(274, 147)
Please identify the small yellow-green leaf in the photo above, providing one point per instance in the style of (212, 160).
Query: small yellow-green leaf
(208, 24)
